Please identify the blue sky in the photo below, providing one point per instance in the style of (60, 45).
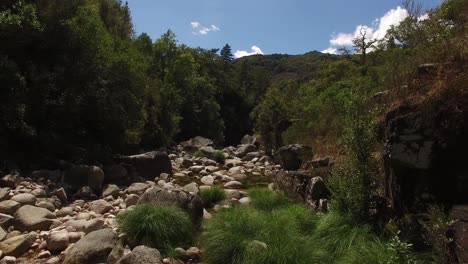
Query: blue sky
(272, 26)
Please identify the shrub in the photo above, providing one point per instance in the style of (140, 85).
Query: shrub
(436, 233)
(265, 199)
(352, 184)
(211, 196)
(161, 227)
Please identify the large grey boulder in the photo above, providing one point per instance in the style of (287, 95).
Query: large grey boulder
(248, 139)
(93, 248)
(52, 175)
(9, 207)
(149, 165)
(191, 203)
(17, 245)
(302, 186)
(24, 198)
(115, 173)
(142, 255)
(244, 149)
(31, 218)
(82, 175)
(292, 156)
(100, 206)
(196, 143)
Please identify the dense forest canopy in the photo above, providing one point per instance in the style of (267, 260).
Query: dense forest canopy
(77, 82)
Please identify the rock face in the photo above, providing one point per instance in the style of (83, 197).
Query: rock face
(460, 214)
(196, 143)
(425, 159)
(82, 175)
(93, 248)
(299, 185)
(291, 157)
(191, 203)
(149, 165)
(31, 218)
(142, 255)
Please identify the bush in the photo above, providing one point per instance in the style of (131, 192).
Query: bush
(161, 227)
(265, 199)
(211, 196)
(352, 185)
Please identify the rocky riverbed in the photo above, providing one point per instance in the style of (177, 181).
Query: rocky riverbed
(68, 214)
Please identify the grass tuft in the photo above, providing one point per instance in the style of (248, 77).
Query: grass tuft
(266, 200)
(161, 227)
(277, 232)
(212, 196)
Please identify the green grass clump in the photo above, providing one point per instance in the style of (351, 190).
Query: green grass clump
(265, 199)
(212, 196)
(199, 154)
(219, 157)
(161, 227)
(284, 232)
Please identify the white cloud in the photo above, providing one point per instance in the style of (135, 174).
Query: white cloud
(342, 39)
(242, 53)
(377, 30)
(200, 29)
(330, 50)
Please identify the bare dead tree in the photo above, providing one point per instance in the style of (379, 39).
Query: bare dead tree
(413, 7)
(362, 44)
